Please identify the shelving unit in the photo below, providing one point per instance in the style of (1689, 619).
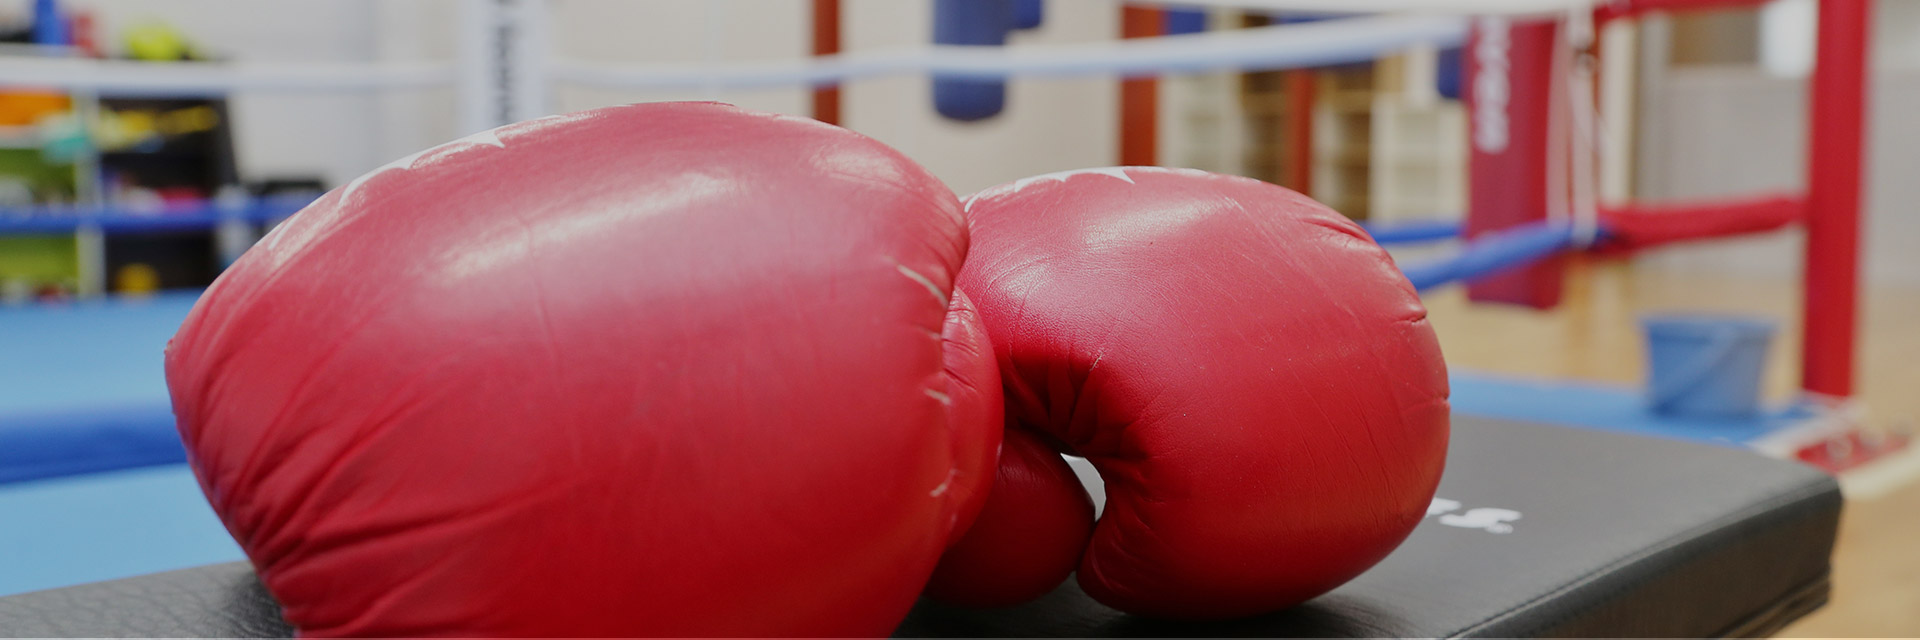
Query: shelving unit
(1386, 145)
(191, 165)
(1343, 139)
(141, 156)
(1419, 153)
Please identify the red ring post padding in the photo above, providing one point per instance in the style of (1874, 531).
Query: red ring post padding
(1509, 79)
(1639, 226)
(1834, 156)
(1617, 9)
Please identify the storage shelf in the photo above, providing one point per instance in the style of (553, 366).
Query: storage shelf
(19, 137)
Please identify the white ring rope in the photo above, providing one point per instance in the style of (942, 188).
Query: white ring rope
(1287, 46)
(128, 77)
(1310, 44)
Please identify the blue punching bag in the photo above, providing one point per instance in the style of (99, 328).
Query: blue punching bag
(1180, 22)
(1028, 14)
(1451, 70)
(970, 22)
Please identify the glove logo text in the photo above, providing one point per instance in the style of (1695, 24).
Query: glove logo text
(1488, 519)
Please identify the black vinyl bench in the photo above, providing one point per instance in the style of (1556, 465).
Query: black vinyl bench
(1538, 531)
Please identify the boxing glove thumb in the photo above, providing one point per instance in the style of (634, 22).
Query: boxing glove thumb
(1029, 537)
(1255, 381)
(975, 410)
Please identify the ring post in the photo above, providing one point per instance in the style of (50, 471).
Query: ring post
(501, 72)
(1140, 95)
(1837, 115)
(826, 42)
(1510, 83)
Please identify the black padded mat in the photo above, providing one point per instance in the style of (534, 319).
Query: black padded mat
(1556, 532)
(1615, 535)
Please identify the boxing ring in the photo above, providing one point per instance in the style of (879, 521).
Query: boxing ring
(1618, 527)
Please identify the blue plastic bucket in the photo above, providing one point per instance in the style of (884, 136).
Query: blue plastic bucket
(1705, 366)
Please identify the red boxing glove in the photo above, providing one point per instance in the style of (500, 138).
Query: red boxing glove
(1029, 538)
(1255, 381)
(666, 369)
(976, 411)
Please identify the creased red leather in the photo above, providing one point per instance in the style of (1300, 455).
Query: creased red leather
(663, 369)
(1255, 381)
(1030, 537)
(977, 411)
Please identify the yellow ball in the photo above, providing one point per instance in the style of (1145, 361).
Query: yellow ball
(156, 41)
(137, 279)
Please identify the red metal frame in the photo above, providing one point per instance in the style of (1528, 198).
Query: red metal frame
(1632, 8)
(1836, 124)
(1300, 99)
(1139, 97)
(1834, 158)
(826, 41)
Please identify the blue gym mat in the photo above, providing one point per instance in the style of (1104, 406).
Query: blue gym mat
(82, 387)
(92, 485)
(101, 526)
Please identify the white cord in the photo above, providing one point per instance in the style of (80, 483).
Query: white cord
(1584, 179)
(1558, 135)
(1276, 47)
(713, 18)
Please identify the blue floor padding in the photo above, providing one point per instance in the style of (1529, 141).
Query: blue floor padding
(82, 387)
(95, 352)
(102, 526)
(1600, 406)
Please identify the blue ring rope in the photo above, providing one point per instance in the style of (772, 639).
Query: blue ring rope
(46, 219)
(1493, 253)
(1413, 232)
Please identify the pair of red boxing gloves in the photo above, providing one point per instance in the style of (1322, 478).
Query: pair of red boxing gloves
(687, 369)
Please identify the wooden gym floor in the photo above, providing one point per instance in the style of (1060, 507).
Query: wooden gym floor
(1595, 336)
